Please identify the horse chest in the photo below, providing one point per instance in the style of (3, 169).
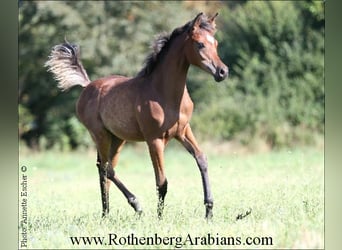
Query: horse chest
(157, 119)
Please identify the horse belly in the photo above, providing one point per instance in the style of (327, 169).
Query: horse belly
(124, 127)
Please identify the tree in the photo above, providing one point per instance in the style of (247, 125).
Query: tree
(114, 39)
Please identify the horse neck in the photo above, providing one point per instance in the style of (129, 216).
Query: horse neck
(170, 78)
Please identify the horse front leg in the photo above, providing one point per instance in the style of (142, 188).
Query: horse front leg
(188, 140)
(156, 149)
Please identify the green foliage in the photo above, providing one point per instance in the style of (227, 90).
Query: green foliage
(26, 120)
(114, 39)
(274, 49)
(276, 60)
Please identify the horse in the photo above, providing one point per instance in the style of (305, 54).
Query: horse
(154, 106)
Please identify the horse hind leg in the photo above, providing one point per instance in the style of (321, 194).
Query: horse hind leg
(104, 186)
(116, 146)
(109, 147)
(131, 198)
(102, 166)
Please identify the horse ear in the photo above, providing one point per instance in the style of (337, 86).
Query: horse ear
(196, 22)
(212, 20)
(197, 17)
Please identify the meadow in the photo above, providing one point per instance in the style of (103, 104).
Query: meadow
(283, 191)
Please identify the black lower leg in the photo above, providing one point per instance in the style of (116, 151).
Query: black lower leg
(132, 200)
(162, 190)
(208, 199)
(104, 191)
(209, 210)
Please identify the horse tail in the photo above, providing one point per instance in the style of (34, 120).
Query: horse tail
(65, 64)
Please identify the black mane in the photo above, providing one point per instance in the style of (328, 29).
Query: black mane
(162, 43)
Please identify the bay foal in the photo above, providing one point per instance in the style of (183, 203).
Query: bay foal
(153, 106)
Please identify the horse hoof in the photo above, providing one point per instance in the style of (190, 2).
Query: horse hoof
(208, 211)
(135, 204)
(209, 215)
(138, 214)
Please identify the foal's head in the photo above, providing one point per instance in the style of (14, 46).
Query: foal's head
(202, 47)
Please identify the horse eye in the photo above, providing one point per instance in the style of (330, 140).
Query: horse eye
(200, 45)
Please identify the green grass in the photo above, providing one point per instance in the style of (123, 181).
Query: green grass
(284, 190)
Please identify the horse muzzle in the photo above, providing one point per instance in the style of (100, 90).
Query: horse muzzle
(221, 73)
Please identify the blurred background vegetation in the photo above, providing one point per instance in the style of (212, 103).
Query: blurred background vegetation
(274, 95)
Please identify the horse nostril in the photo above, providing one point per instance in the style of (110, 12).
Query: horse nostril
(223, 72)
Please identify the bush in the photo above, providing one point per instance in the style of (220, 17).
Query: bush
(276, 87)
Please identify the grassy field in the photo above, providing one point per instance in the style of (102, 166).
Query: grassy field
(284, 191)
